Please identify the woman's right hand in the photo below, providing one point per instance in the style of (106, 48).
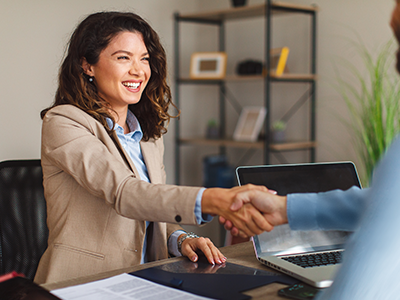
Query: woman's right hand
(248, 219)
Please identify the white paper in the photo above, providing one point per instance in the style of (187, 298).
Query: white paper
(122, 287)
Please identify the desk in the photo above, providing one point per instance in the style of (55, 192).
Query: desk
(241, 254)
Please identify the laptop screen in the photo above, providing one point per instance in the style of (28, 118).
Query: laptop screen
(299, 178)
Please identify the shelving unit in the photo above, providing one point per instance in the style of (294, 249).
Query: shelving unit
(218, 18)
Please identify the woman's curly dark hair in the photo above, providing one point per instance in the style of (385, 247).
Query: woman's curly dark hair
(92, 36)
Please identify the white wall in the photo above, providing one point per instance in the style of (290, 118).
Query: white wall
(33, 38)
(34, 33)
(337, 24)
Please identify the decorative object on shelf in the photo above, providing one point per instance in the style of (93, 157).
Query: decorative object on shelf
(250, 122)
(249, 67)
(237, 3)
(278, 57)
(278, 131)
(373, 103)
(278, 60)
(212, 130)
(217, 172)
(208, 65)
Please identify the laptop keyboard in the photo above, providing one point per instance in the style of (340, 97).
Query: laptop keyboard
(315, 260)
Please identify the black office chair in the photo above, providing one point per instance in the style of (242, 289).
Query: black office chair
(23, 229)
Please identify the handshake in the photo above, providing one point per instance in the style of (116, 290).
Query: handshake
(246, 210)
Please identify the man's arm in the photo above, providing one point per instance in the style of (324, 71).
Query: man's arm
(333, 210)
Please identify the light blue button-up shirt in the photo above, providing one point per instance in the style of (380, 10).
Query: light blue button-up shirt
(131, 144)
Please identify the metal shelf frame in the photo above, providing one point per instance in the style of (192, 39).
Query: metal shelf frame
(218, 18)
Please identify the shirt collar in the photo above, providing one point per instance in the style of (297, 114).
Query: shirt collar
(135, 131)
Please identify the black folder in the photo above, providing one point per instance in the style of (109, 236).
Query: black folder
(226, 281)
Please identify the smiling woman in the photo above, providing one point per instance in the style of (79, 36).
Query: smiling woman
(121, 73)
(88, 45)
(102, 158)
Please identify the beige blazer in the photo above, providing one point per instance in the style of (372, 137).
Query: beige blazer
(96, 203)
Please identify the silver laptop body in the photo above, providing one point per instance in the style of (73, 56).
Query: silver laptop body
(286, 250)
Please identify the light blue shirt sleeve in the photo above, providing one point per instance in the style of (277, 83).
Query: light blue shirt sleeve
(333, 210)
(173, 243)
(371, 265)
(201, 218)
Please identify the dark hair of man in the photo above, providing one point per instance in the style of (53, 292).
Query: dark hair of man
(92, 36)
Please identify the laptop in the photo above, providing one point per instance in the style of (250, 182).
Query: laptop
(311, 256)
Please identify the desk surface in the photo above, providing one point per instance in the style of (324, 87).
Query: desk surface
(241, 254)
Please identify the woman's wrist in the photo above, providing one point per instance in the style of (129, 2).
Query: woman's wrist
(209, 201)
(183, 237)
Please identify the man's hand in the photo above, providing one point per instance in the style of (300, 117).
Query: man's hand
(218, 201)
(272, 206)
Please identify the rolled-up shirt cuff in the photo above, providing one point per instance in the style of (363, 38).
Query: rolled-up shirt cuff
(301, 210)
(173, 243)
(200, 217)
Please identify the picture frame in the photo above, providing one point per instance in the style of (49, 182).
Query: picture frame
(249, 124)
(278, 57)
(208, 65)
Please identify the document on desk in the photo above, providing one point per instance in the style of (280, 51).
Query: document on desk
(122, 287)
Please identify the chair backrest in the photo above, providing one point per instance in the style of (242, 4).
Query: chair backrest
(23, 229)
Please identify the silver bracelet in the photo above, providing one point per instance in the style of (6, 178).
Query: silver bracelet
(184, 237)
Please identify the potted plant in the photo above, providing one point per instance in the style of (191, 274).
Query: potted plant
(278, 131)
(212, 130)
(373, 104)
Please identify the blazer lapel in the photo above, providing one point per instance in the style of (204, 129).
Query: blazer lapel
(152, 160)
(125, 155)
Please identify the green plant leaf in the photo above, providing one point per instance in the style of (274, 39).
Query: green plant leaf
(373, 103)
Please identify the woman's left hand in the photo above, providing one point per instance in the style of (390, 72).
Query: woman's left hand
(191, 246)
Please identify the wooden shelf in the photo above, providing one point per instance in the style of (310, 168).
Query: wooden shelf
(284, 77)
(249, 12)
(298, 145)
(289, 146)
